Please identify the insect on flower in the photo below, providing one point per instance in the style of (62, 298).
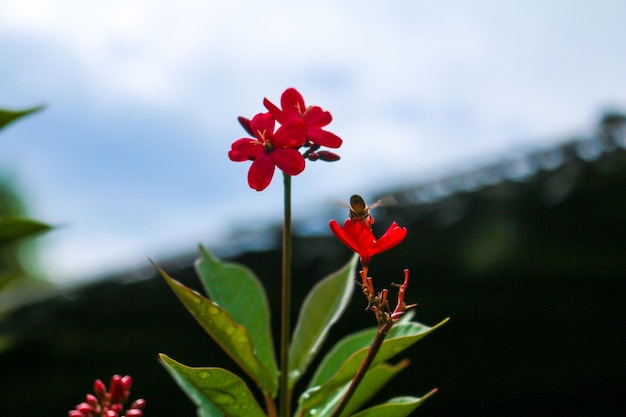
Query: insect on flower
(359, 210)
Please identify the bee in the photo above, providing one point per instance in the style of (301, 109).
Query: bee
(359, 210)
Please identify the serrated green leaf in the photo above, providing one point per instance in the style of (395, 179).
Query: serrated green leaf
(232, 337)
(236, 289)
(216, 391)
(8, 116)
(396, 407)
(13, 228)
(400, 337)
(320, 310)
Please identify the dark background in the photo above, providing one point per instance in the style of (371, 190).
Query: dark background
(528, 262)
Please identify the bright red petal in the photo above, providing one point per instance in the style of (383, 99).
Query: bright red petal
(263, 125)
(393, 236)
(245, 149)
(317, 117)
(292, 103)
(275, 111)
(290, 135)
(290, 161)
(341, 235)
(261, 172)
(323, 138)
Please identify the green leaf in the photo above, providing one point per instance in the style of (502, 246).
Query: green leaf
(373, 381)
(231, 337)
(396, 407)
(400, 337)
(13, 228)
(8, 116)
(236, 289)
(339, 354)
(216, 391)
(321, 309)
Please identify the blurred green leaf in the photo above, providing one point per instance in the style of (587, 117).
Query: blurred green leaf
(396, 407)
(236, 289)
(216, 391)
(231, 337)
(13, 228)
(321, 309)
(8, 116)
(400, 337)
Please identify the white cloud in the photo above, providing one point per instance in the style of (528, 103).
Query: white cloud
(144, 98)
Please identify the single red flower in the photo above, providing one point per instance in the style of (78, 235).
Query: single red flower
(293, 107)
(358, 236)
(269, 149)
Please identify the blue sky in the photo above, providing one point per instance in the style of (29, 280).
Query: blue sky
(131, 153)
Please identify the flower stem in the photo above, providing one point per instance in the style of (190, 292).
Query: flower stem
(284, 392)
(382, 332)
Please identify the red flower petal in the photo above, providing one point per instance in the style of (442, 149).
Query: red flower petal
(262, 126)
(316, 117)
(290, 135)
(292, 103)
(393, 236)
(323, 138)
(290, 161)
(275, 111)
(341, 235)
(261, 172)
(245, 149)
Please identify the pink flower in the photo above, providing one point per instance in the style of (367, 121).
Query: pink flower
(269, 149)
(293, 107)
(358, 236)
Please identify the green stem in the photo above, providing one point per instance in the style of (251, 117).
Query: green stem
(382, 332)
(285, 393)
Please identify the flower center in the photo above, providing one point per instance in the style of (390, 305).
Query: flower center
(267, 145)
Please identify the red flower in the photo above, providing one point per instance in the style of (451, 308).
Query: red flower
(270, 149)
(315, 118)
(358, 236)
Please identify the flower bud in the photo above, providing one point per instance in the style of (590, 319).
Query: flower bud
(84, 408)
(75, 413)
(127, 381)
(91, 400)
(135, 412)
(118, 392)
(100, 389)
(139, 403)
(245, 123)
(328, 156)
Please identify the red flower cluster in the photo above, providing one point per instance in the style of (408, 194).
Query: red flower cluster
(109, 403)
(300, 126)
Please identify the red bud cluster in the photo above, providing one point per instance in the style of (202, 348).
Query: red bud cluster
(103, 403)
